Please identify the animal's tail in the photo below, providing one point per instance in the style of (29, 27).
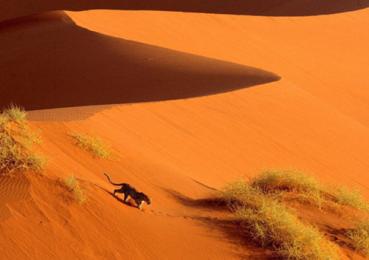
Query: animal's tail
(117, 184)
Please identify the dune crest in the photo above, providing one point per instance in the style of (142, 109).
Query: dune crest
(77, 67)
(16, 8)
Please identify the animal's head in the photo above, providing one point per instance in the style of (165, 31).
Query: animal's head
(146, 198)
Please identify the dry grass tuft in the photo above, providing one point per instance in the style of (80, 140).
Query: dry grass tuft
(352, 198)
(306, 188)
(359, 237)
(73, 185)
(272, 181)
(16, 141)
(270, 224)
(94, 145)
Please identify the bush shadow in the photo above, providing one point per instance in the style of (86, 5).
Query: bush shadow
(229, 226)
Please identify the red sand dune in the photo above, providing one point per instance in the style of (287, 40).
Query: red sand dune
(172, 138)
(67, 60)
(15, 8)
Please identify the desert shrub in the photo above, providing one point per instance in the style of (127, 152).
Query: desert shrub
(240, 193)
(306, 188)
(272, 225)
(352, 198)
(269, 223)
(16, 141)
(272, 181)
(94, 145)
(73, 185)
(359, 237)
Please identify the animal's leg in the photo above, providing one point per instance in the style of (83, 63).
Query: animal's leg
(126, 197)
(139, 204)
(115, 191)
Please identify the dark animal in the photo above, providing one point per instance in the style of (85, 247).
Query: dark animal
(129, 191)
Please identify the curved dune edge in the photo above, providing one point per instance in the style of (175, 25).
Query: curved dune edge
(14, 8)
(77, 67)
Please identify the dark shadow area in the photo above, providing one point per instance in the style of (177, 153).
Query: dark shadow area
(237, 7)
(338, 236)
(47, 61)
(213, 203)
(16, 8)
(233, 231)
(229, 226)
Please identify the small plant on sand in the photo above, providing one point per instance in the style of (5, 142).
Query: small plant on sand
(16, 141)
(352, 198)
(359, 237)
(241, 193)
(306, 188)
(269, 223)
(272, 181)
(272, 225)
(94, 145)
(73, 185)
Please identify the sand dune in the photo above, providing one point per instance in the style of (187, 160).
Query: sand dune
(14, 8)
(291, 93)
(61, 70)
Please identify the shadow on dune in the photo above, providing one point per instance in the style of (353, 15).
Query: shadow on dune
(213, 203)
(47, 61)
(237, 7)
(229, 226)
(17, 8)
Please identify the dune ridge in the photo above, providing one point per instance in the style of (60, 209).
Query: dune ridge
(15, 8)
(60, 71)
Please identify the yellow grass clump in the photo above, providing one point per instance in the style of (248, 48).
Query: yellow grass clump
(73, 185)
(94, 145)
(272, 225)
(16, 141)
(272, 181)
(266, 220)
(352, 198)
(359, 237)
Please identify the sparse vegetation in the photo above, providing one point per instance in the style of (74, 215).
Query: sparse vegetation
(352, 198)
(73, 185)
(16, 141)
(94, 145)
(359, 237)
(272, 181)
(305, 188)
(271, 224)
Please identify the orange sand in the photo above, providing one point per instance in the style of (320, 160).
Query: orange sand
(202, 97)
